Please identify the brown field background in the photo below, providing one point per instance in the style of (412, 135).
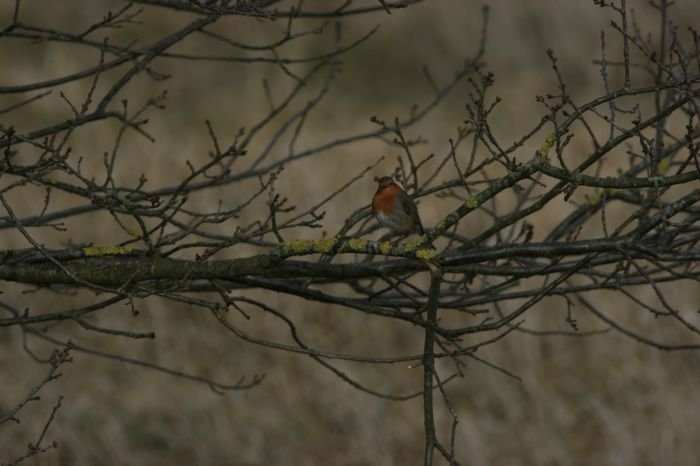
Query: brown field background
(602, 400)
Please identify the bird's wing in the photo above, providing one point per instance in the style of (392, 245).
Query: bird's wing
(410, 208)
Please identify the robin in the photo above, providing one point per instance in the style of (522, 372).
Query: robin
(395, 209)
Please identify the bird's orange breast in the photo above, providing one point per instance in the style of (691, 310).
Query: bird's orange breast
(385, 199)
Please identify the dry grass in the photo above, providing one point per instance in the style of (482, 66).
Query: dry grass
(603, 400)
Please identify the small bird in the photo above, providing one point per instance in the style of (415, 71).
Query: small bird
(394, 209)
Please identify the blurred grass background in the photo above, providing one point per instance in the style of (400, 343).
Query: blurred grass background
(602, 400)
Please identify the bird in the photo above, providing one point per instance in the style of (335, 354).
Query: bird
(394, 209)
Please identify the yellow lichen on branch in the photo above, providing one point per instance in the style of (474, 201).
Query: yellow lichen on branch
(92, 251)
(663, 166)
(358, 244)
(426, 253)
(597, 198)
(299, 247)
(335, 245)
(547, 146)
(472, 202)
